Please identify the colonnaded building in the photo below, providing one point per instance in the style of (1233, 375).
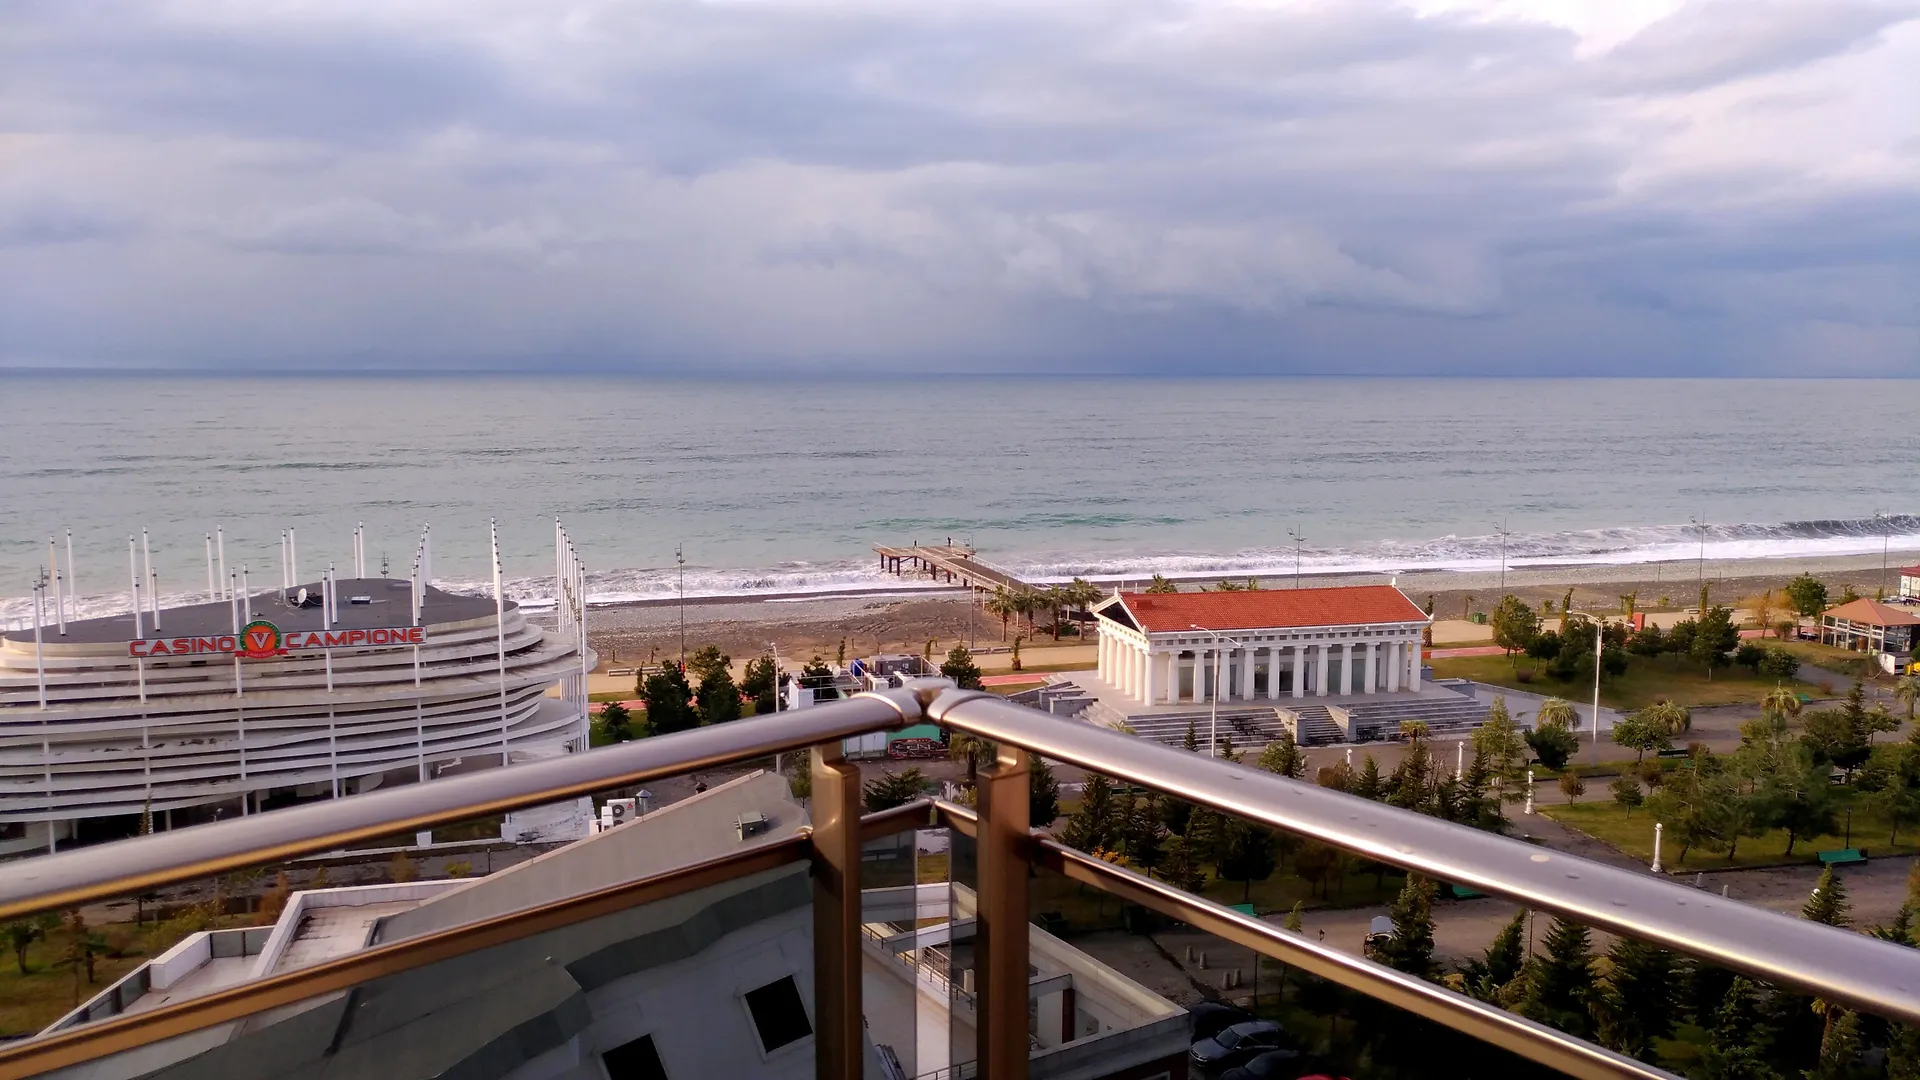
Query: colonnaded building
(1328, 665)
(259, 699)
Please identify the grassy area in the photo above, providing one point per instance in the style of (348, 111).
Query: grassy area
(1647, 680)
(611, 695)
(1840, 661)
(51, 987)
(1606, 821)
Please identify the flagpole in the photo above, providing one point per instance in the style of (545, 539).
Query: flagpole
(153, 594)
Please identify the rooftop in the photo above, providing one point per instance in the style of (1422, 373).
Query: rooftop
(1873, 613)
(1260, 609)
(390, 606)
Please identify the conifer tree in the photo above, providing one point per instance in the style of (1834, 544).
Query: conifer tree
(1840, 1049)
(1283, 757)
(1369, 784)
(1506, 956)
(1560, 979)
(1143, 837)
(1191, 744)
(1410, 948)
(1043, 793)
(1294, 921)
(1092, 826)
(1828, 904)
(1737, 1046)
(1245, 855)
(1636, 1005)
(1180, 868)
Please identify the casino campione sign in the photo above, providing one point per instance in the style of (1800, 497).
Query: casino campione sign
(261, 640)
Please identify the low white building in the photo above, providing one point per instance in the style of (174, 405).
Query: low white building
(1162, 648)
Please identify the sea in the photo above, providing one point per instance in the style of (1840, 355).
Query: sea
(780, 486)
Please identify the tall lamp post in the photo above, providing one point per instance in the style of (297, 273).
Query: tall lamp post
(1213, 718)
(1700, 524)
(1886, 535)
(1298, 539)
(1503, 534)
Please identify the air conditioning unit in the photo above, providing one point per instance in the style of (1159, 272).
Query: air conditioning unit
(619, 811)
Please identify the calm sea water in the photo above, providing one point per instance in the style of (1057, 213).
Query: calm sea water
(783, 485)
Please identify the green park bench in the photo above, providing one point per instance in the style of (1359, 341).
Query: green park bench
(1841, 856)
(1461, 892)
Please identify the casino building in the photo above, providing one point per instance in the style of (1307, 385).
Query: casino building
(241, 704)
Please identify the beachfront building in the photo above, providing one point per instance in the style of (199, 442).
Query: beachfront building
(1268, 645)
(252, 700)
(1870, 625)
(710, 981)
(1910, 583)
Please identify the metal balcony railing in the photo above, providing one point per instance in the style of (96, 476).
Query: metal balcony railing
(1838, 966)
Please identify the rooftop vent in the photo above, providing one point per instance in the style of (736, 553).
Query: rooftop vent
(751, 823)
(359, 599)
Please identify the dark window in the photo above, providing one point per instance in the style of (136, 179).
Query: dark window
(637, 1060)
(778, 1014)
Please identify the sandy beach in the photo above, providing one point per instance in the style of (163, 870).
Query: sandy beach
(803, 627)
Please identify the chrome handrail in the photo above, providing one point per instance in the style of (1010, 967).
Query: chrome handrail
(125, 867)
(1861, 971)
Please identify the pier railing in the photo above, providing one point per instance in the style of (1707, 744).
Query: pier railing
(1838, 966)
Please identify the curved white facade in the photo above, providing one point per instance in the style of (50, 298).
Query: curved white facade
(120, 735)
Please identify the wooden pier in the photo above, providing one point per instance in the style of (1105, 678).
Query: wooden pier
(950, 563)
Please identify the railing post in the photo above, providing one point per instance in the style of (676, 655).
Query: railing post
(838, 1043)
(1000, 944)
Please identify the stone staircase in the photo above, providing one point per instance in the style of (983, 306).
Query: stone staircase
(1250, 727)
(1313, 725)
(1060, 697)
(1381, 720)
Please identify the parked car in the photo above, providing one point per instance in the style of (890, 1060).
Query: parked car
(1209, 1018)
(1284, 1064)
(1379, 931)
(1236, 1045)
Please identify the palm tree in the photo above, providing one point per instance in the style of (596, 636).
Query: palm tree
(1004, 604)
(1907, 692)
(1556, 712)
(1030, 601)
(1055, 598)
(1780, 705)
(1413, 730)
(1162, 585)
(973, 750)
(1669, 717)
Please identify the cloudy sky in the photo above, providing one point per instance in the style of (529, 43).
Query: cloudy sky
(1495, 186)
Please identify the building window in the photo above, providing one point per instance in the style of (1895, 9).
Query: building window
(778, 1014)
(637, 1060)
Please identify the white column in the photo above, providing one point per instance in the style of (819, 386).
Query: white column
(1150, 677)
(1323, 651)
(1413, 665)
(1199, 674)
(1373, 672)
(1396, 662)
(1299, 671)
(1106, 658)
(1247, 657)
(1171, 691)
(1133, 670)
(1273, 672)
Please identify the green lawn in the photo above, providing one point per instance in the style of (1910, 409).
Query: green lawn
(1647, 680)
(1606, 821)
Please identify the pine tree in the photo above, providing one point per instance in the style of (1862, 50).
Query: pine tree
(961, 669)
(1737, 1046)
(1840, 1049)
(1143, 837)
(1179, 868)
(1192, 742)
(1043, 793)
(1505, 958)
(1283, 757)
(1369, 784)
(891, 789)
(1245, 855)
(1093, 824)
(1410, 949)
(669, 705)
(1560, 979)
(1903, 1052)
(1828, 904)
(1636, 1006)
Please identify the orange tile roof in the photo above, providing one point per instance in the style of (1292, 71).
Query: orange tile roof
(1873, 613)
(1264, 608)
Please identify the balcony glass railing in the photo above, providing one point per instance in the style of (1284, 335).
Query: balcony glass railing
(930, 940)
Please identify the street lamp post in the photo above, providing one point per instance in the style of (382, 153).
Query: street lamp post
(1213, 719)
(1503, 534)
(1886, 535)
(1298, 539)
(1700, 524)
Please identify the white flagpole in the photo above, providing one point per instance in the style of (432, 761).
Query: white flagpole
(133, 572)
(220, 552)
(73, 580)
(286, 583)
(233, 609)
(246, 594)
(293, 554)
(500, 636)
(146, 563)
(326, 623)
(39, 656)
(59, 596)
(212, 593)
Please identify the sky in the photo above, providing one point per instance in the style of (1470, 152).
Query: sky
(1539, 187)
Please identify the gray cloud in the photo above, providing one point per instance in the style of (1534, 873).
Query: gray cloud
(1327, 186)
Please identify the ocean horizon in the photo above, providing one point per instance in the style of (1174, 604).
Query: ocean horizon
(781, 485)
